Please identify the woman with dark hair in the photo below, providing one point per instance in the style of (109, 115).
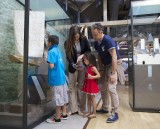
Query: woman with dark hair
(75, 47)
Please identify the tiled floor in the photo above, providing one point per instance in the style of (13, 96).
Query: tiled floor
(73, 122)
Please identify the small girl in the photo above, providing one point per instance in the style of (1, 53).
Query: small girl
(90, 86)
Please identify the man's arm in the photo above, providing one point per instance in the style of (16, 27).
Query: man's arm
(114, 65)
(114, 60)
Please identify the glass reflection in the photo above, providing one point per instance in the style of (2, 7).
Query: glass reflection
(11, 72)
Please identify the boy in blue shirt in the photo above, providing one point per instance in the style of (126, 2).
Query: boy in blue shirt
(56, 79)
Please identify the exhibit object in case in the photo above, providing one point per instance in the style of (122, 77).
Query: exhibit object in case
(144, 56)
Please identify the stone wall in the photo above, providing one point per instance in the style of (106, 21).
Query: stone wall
(10, 83)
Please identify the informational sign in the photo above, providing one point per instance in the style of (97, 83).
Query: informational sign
(38, 87)
(36, 32)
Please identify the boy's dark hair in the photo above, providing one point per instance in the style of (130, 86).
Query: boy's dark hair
(91, 57)
(53, 39)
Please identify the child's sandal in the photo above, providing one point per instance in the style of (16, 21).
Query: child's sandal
(86, 115)
(80, 113)
(92, 116)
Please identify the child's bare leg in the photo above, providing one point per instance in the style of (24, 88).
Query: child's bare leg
(93, 103)
(64, 110)
(89, 103)
(58, 111)
(93, 115)
(88, 106)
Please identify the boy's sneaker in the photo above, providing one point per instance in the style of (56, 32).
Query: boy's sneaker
(53, 120)
(112, 118)
(64, 117)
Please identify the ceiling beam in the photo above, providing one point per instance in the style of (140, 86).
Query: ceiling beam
(139, 21)
(85, 6)
(72, 5)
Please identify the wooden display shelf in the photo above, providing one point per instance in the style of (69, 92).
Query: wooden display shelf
(19, 59)
(18, 108)
(4, 106)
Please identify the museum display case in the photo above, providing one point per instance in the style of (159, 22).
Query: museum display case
(25, 96)
(144, 55)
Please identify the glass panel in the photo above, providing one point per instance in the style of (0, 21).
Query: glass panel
(50, 7)
(146, 54)
(120, 35)
(11, 68)
(42, 24)
(146, 30)
(61, 29)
